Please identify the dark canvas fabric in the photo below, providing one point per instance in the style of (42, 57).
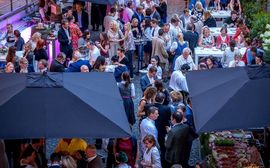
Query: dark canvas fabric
(87, 105)
(225, 99)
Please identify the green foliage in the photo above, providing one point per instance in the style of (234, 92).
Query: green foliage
(256, 16)
(251, 7)
(224, 142)
(204, 139)
(259, 22)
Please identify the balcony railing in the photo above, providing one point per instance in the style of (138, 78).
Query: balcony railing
(10, 7)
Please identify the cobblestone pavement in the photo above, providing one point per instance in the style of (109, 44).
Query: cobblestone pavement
(174, 6)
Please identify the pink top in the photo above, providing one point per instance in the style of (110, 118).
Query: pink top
(221, 40)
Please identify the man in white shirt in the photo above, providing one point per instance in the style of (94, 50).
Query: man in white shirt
(94, 52)
(178, 80)
(185, 58)
(148, 126)
(155, 28)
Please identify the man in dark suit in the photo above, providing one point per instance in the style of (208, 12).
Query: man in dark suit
(155, 14)
(177, 141)
(64, 39)
(93, 160)
(191, 36)
(138, 14)
(149, 78)
(162, 122)
(81, 17)
(57, 64)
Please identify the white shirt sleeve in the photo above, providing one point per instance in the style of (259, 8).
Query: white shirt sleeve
(132, 90)
(159, 72)
(184, 84)
(173, 47)
(177, 65)
(231, 64)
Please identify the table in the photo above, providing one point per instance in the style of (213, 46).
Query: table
(140, 43)
(215, 31)
(222, 14)
(205, 52)
(3, 56)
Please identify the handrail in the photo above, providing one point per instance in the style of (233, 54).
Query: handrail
(19, 9)
(16, 1)
(10, 3)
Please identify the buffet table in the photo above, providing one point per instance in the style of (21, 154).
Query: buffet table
(205, 52)
(233, 149)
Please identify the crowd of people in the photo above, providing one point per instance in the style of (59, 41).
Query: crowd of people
(164, 114)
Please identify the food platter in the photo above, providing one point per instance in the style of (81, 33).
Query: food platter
(232, 149)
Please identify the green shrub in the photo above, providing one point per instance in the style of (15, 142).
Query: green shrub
(258, 23)
(252, 7)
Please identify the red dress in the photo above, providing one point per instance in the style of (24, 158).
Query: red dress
(75, 34)
(125, 145)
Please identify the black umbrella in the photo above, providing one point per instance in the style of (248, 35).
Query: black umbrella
(58, 105)
(232, 98)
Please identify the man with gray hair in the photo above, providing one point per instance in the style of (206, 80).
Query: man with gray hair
(84, 68)
(78, 62)
(57, 64)
(185, 58)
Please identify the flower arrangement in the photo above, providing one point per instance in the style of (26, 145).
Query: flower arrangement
(266, 42)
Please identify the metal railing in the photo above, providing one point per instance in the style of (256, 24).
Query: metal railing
(7, 6)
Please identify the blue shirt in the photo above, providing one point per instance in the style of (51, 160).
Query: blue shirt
(80, 18)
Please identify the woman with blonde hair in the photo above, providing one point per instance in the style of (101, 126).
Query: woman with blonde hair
(198, 11)
(28, 53)
(68, 162)
(206, 40)
(10, 68)
(34, 39)
(129, 47)
(115, 36)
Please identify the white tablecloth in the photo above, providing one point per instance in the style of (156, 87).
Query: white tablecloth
(205, 52)
(222, 14)
(215, 31)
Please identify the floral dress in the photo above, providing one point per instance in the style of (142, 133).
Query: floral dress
(75, 34)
